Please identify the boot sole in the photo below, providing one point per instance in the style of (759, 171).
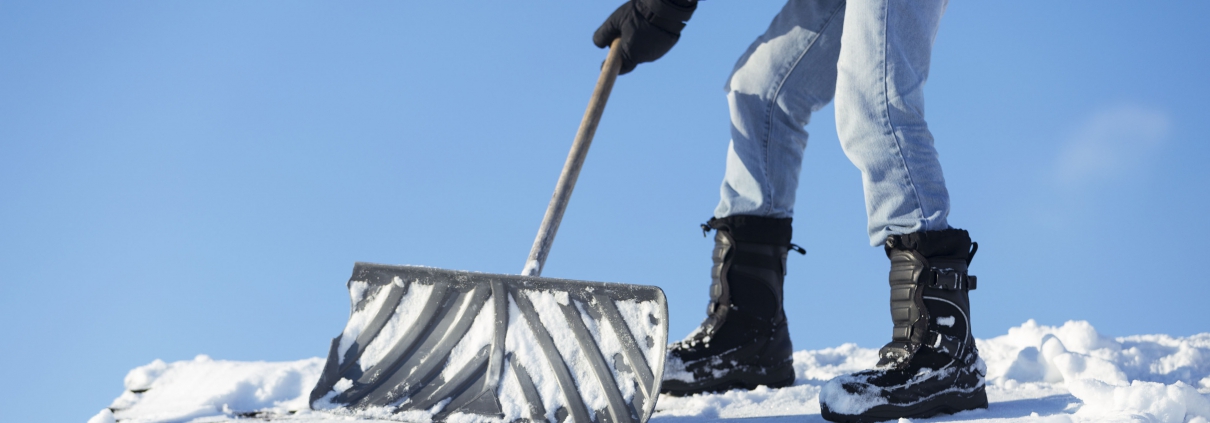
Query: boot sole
(948, 403)
(779, 377)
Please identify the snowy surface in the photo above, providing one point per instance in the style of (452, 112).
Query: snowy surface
(1036, 373)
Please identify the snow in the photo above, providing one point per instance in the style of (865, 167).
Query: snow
(531, 268)
(362, 313)
(547, 306)
(512, 400)
(105, 416)
(1069, 373)
(395, 328)
(611, 348)
(479, 336)
(646, 326)
(519, 343)
(202, 387)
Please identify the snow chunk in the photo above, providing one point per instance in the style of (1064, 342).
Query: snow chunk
(819, 366)
(105, 416)
(1147, 375)
(141, 378)
(186, 390)
(530, 269)
(1076, 366)
(1158, 402)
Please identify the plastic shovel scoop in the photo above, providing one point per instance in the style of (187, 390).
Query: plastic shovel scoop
(425, 343)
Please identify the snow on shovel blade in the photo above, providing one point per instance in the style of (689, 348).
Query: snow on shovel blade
(440, 342)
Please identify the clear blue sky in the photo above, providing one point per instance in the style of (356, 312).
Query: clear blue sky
(180, 178)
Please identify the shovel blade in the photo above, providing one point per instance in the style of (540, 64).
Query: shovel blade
(434, 342)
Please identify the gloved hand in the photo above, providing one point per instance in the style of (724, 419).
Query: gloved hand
(648, 29)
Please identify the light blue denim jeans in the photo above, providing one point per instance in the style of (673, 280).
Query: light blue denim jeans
(873, 56)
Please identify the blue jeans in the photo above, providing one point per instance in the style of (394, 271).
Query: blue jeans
(873, 56)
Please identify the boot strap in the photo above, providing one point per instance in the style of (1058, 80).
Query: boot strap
(910, 276)
(950, 279)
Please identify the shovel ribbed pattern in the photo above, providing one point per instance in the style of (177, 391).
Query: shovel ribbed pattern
(435, 342)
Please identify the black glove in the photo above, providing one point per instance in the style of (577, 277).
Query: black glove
(648, 29)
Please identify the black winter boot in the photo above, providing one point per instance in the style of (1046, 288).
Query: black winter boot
(931, 365)
(743, 343)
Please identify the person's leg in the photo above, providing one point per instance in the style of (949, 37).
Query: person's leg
(881, 74)
(785, 75)
(931, 364)
(788, 73)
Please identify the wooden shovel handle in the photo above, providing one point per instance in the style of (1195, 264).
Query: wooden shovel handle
(575, 160)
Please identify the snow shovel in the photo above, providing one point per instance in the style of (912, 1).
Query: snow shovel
(425, 343)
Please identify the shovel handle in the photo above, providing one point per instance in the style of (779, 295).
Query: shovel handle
(575, 160)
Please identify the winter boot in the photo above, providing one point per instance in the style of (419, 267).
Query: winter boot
(931, 365)
(743, 343)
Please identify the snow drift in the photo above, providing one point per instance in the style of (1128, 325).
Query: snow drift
(1069, 373)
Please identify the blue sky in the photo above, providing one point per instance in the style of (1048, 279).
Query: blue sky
(199, 178)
